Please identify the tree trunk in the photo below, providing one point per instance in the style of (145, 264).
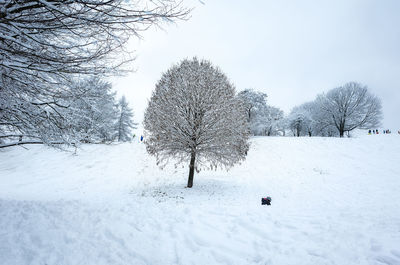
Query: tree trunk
(119, 128)
(341, 128)
(191, 170)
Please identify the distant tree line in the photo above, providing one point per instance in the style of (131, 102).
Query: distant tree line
(335, 113)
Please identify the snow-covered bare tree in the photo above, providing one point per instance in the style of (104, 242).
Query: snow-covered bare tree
(46, 43)
(254, 101)
(296, 122)
(300, 119)
(321, 120)
(125, 122)
(263, 119)
(272, 117)
(256, 105)
(194, 116)
(349, 107)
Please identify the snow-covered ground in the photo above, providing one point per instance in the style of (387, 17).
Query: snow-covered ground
(334, 201)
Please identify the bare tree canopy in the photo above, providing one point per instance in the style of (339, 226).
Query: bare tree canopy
(300, 120)
(194, 115)
(45, 44)
(57, 36)
(349, 107)
(255, 101)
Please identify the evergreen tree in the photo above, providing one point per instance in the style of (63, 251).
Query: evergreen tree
(125, 121)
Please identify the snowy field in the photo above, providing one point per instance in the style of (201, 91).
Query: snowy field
(334, 201)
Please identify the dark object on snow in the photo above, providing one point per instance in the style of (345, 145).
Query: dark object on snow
(266, 201)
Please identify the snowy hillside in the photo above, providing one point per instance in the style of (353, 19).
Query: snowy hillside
(334, 201)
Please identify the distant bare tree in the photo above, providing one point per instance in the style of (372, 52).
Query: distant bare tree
(349, 107)
(263, 119)
(272, 117)
(300, 120)
(296, 123)
(194, 115)
(255, 101)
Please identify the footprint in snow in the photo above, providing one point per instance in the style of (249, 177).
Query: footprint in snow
(112, 237)
(387, 260)
(395, 253)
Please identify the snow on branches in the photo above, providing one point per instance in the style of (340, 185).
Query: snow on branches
(349, 107)
(263, 119)
(194, 115)
(340, 110)
(44, 44)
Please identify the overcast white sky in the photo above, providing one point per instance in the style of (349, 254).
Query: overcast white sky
(290, 49)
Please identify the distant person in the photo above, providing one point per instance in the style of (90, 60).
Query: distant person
(384, 132)
(374, 131)
(141, 138)
(377, 132)
(369, 132)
